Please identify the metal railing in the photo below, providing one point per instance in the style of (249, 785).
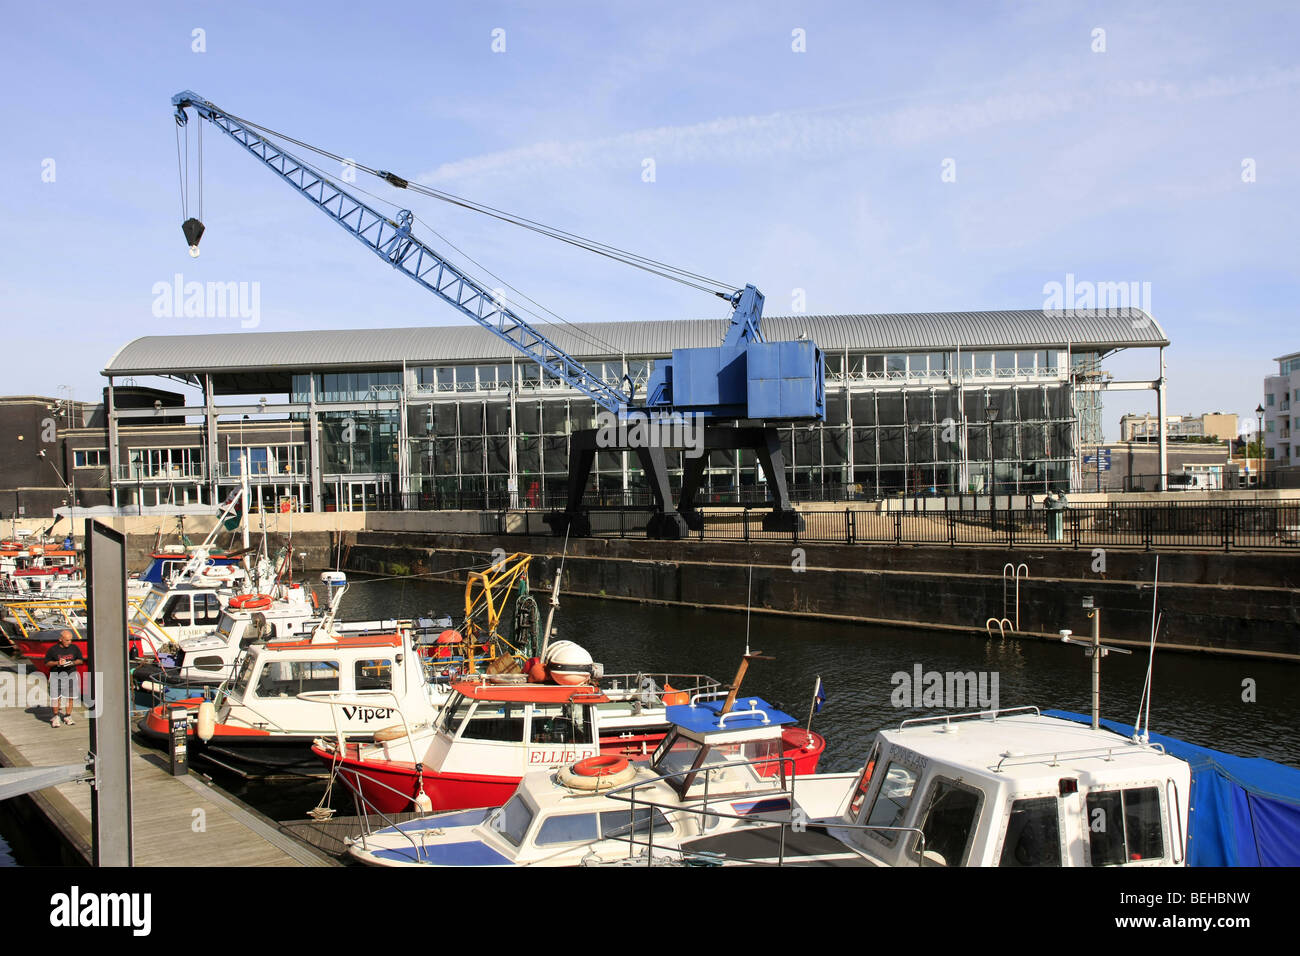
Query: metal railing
(1016, 521)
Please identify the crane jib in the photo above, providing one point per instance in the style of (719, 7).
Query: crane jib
(393, 242)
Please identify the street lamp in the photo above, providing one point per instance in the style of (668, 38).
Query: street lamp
(1259, 442)
(991, 416)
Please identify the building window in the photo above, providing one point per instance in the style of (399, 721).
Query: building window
(90, 458)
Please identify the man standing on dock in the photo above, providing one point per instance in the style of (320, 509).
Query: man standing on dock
(63, 659)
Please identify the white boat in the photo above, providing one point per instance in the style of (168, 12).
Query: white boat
(706, 777)
(999, 788)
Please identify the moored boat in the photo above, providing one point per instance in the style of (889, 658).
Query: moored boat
(723, 766)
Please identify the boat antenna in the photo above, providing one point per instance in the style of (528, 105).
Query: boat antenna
(1142, 732)
(749, 593)
(555, 596)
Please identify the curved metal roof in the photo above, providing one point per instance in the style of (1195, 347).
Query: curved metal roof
(341, 348)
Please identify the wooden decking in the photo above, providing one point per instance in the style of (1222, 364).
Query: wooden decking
(178, 821)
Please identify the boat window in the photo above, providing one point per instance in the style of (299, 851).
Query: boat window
(864, 782)
(1124, 826)
(373, 675)
(208, 663)
(512, 820)
(207, 609)
(245, 675)
(495, 720)
(454, 713)
(151, 602)
(1033, 834)
(617, 824)
(224, 626)
(291, 678)
(561, 724)
(568, 828)
(949, 822)
(176, 613)
(892, 801)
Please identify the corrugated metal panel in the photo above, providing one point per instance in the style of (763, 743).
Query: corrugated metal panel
(157, 354)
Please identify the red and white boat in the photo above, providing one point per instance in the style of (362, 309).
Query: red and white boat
(489, 735)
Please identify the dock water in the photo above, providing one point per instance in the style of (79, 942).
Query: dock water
(178, 820)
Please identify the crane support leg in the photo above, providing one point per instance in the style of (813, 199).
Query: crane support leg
(667, 521)
(765, 443)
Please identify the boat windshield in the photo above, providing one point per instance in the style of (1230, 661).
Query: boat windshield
(678, 753)
(512, 820)
(149, 605)
(240, 687)
(225, 626)
(453, 713)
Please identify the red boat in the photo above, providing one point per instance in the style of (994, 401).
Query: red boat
(489, 735)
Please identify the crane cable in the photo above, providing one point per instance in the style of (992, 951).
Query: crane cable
(583, 335)
(645, 263)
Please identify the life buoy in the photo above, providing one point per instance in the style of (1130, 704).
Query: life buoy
(597, 773)
(315, 601)
(250, 602)
(606, 765)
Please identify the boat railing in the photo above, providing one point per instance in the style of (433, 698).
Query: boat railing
(700, 807)
(661, 684)
(708, 695)
(336, 699)
(970, 715)
(365, 808)
(1053, 757)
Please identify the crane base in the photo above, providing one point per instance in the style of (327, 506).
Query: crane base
(669, 522)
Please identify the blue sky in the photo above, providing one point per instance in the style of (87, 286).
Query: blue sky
(817, 170)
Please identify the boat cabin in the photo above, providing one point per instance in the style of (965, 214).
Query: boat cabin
(1015, 788)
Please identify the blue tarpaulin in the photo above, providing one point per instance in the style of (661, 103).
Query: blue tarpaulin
(1245, 810)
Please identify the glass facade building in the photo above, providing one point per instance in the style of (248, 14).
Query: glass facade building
(915, 404)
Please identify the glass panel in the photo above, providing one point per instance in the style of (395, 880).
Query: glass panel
(1142, 824)
(177, 612)
(570, 828)
(617, 824)
(892, 802)
(561, 724)
(1033, 834)
(291, 678)
(512, 820)
(864, 782)
(1105, 823)
(949, 822)
(373, 675)
(493, 721)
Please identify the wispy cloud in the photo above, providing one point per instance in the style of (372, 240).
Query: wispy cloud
(832, 131)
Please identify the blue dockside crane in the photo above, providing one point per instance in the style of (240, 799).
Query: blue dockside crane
(746, 382)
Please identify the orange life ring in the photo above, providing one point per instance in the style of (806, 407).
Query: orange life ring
(250, 602)
(606, 765)
(315, 601)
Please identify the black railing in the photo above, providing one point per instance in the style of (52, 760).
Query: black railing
(1018, 522)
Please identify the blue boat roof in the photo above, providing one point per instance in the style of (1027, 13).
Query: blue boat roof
(702, 717)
